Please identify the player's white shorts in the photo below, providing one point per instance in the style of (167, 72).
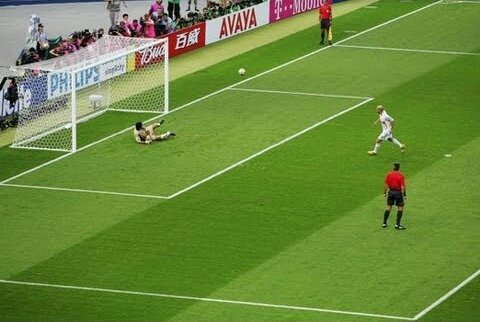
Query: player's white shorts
(385, 135)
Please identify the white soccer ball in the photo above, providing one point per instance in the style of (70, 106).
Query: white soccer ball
(242, 71)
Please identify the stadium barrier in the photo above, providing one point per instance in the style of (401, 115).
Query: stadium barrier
(236, 23)
(203, 34)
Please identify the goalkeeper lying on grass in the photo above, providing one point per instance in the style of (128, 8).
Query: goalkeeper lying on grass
(146, 135)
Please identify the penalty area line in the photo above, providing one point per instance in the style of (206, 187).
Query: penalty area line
(270, 148)
(206, 299)
(297, 93)
(125, 194)
(365, 101)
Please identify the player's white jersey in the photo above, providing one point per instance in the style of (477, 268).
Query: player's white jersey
(386, 121)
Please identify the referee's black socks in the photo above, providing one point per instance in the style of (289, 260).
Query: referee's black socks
(399, 216)
(385, 216)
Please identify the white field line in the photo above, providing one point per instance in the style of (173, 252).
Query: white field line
(296, 93)
(42, 149)
(446, 296)
(228, 87)
(365, 100)
(36, 168)
(461, 2)
(130, 111)
(83, 191)
(206, 299)
(269, 148)
(412, 50)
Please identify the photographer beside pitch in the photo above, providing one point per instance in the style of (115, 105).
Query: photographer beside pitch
(395, 191)
(12, 94)
(145, 135)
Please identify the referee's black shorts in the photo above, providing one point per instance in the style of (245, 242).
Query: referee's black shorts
(395, 197)
(325, 23)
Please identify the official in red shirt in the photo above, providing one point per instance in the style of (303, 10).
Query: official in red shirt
(396, 193)
(325, 17)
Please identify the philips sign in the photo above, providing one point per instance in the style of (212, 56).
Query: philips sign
(61, 83)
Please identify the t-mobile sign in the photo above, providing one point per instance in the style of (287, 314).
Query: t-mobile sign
(281, 9)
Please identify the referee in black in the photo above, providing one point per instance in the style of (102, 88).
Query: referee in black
(396, 193)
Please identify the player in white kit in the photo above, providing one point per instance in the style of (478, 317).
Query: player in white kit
(387, 131)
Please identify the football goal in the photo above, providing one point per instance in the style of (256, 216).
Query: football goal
(114, 73)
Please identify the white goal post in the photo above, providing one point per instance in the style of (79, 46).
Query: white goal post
(112, 74)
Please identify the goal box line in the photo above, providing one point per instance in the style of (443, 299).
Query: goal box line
(9, 182)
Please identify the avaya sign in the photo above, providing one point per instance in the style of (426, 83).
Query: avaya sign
(237, 22)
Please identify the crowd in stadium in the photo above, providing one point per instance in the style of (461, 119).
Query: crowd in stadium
(157, 22)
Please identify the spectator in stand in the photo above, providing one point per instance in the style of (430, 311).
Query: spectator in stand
(136, 29)
(190, 3)
(127, 22)
(12, 93)
(157, 9)
(113, 7)
(114, 31)
(149, 29)
(60, 50)
(30, 57)
(65, 47)
(87, 38)
(76, 40)
(99, 33)
(160, 12)
(224, 3)
(174, 8)
(70, 45)
(207, 13)
(124, 31)
(42, 42)
(32, 29)
(167, 25)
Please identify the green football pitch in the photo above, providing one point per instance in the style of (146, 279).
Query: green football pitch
(266, 206)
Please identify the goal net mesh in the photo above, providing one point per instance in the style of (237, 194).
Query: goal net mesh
(114, 73)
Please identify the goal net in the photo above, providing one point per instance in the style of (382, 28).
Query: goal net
(114, 73)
